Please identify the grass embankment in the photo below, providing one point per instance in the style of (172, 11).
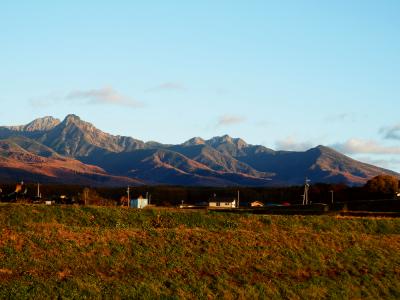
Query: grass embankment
(75, 252)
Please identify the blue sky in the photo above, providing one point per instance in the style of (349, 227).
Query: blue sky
(286, 74)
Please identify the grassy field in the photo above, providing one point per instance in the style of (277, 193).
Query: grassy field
(95, 252)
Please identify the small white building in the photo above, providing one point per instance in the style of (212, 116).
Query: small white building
(139, 202)
(215, 203)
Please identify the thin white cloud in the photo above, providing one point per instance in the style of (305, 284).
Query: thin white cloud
(291, 144)
(390, 163)
(359, 146)
(391, 132)
(228, 120)
(106, 96)
(168, 86)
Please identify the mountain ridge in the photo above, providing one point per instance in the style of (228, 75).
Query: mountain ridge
(220, 161)
(40, 124)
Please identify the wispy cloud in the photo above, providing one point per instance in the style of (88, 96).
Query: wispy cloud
(391, 132)
(359, 146)
(391, 163)
(168, 86)
(106, 95)
(291, 144)
(227, 120)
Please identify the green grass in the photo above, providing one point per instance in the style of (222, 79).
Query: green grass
(96, 252)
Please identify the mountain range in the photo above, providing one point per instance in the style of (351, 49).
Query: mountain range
(73, 151)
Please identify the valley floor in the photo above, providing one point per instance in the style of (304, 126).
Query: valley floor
(99, 252)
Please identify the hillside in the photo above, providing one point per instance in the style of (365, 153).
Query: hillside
(25, 159)
(90, 252)
(220, 161)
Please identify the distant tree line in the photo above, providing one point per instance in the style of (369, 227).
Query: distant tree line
(380, 187)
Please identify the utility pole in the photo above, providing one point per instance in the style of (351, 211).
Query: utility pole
(129, 200)
(238, 199)
(331, 195)
(38, 191)
(305, 195)
(85, 195)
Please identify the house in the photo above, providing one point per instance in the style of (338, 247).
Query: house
(139, 202)
(220, 203)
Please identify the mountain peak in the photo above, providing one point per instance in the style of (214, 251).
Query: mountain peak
(40, 124)
(76, 137)
(72, 118)
(325, 149)
(322, 147)
(76, 121)
(226, 139)
(194, 141)
(241, 143)
(217, 140)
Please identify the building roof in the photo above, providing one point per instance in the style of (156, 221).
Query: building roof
(230, 200)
